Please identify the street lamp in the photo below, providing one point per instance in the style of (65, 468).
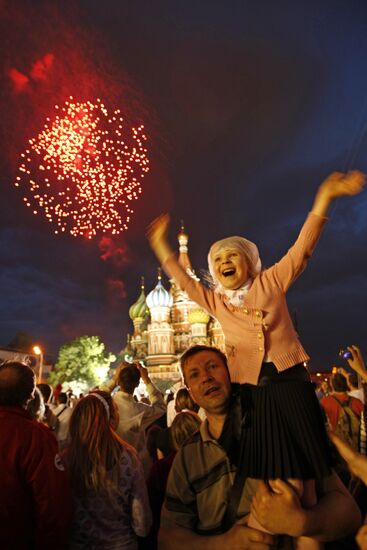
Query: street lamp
(38, 351)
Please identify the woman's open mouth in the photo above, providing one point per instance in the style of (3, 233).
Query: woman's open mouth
(228, 272)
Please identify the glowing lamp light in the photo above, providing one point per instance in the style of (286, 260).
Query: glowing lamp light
(84, 169)
(37, 350)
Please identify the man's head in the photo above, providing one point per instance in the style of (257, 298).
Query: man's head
(129, 378)
(62, 398)
(206, 375)
(17, 384)
(339, 383)
(46, 391)
(183, 400)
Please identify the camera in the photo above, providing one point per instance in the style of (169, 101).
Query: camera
(345, 354)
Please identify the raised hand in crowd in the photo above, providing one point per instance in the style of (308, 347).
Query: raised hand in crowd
(143, 372)
(356, 462)
(356, 362)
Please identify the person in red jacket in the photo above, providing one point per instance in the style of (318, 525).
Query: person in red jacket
(35, 499)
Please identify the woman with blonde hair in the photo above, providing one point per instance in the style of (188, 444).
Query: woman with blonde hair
(184, 401)
(184, 425)
(110, 497)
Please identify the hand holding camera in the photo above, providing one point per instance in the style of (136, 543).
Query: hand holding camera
(354, 358)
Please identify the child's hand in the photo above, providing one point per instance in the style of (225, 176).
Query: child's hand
(340, 185)
(157, 234)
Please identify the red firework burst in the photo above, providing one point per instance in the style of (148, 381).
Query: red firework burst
(84, 169)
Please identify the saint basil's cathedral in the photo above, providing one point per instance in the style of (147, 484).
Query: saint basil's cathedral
(167, 322)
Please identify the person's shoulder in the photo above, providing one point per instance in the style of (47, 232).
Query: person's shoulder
(357, 403)
(128, 453)
(194, 438)
(129, 459)
(327, 399)
(122, 399)
(19, 421)
(117, 396)
(192, 443)
(41, 430)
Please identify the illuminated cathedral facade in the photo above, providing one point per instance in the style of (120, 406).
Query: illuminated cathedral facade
(167, 322)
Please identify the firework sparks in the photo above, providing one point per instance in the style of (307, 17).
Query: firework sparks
(84, 169)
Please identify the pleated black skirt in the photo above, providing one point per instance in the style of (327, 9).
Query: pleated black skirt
(276, 429)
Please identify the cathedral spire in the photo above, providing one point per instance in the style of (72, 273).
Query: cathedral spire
(183, 239)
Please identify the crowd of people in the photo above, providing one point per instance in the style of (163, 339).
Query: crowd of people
(245, 456)
(84, 481)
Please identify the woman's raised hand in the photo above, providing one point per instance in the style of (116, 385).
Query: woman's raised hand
(158, 229)
(157, 234)
(337, 185)
(340, 185)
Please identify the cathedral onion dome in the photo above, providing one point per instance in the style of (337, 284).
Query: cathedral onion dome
(139, 310)
(159, 296)
(198, 316)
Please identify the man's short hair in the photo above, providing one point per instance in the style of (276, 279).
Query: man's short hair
(46, 391)
(197, 349)
(17, 383)
(63, 398)
(129, 378)
(339, 382)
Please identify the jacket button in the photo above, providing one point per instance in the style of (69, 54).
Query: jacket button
(259, 335)
(258, 313)
(261, 349)
(246, 311)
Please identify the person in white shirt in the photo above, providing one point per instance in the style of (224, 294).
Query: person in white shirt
(135, 416)
(63, 412)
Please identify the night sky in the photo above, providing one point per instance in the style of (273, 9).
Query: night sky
(247, 107)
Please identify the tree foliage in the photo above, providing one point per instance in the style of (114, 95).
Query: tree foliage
(83, 360)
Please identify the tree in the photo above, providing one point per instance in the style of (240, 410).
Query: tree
(83, 361)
